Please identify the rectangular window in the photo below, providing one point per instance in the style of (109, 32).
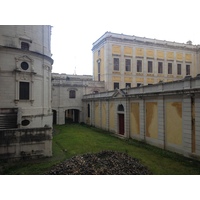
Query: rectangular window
(116, 64)
(187, 69)
(116, 85)
(160, 67)
(24, 90)
(169, 68)
(139, 84)
(179, 69)
(128, 85)
(128, 65)
(98, 52)
(72, 94)
(24, 46)
(150, 67)
(99, 69)
(139, 66)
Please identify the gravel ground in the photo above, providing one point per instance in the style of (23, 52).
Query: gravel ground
(103, 163)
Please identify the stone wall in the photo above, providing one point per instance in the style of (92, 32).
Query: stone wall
(25, 143)
(165, 115)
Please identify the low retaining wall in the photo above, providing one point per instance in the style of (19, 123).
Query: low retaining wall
(25, 143)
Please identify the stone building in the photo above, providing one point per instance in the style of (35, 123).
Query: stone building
(166, 115)
(129, 61)
(25, 91)
(67, 93)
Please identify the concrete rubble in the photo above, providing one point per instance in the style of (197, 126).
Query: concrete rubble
(102, 163)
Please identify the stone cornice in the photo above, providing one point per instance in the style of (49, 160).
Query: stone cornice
(114, 37)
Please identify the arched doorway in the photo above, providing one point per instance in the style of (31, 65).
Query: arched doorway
(72, 116)
(120, 110)
(54, 116)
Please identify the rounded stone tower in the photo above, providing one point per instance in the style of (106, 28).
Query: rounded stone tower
(25, 86)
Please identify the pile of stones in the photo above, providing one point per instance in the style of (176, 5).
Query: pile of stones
(103, 163)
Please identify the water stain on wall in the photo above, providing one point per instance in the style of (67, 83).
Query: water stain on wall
(135, 118)
(178, 106)
(151, 120)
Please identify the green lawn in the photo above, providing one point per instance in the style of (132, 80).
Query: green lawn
(75, 139)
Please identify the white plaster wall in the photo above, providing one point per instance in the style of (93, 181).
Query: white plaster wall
(39, 35)
(38, 108)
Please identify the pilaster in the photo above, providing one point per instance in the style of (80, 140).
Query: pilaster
(187, 124)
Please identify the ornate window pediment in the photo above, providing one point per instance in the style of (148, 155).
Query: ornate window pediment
(24, 64)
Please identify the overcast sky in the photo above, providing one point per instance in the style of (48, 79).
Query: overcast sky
(79, 23)
(76, 25)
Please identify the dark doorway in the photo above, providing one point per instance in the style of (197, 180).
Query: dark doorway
(72, 116)
(121, 124)
(76, 116)
(54, 117)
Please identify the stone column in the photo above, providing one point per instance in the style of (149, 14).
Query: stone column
(61, 116)
(161, 122)
(142, 119)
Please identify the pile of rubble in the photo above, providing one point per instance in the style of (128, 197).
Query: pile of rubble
(103, 163)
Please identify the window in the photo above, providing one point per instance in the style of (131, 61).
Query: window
(187, 69)
(139, 84)
(72, 94)
(128, 85)
(160, 67)
(24, 65)
(169, 68)
(25, 122)
(116, 85)
(139, 66)
(88, 110)
(128, 65)
(99, 53)
(179, 69)
(24, 90)
(99, 69)
(116, 64)
(150, 67)
(120, 107)
(24, 46)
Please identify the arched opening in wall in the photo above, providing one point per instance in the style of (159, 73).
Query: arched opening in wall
(54, 116)
(72, 116)
(120, 110)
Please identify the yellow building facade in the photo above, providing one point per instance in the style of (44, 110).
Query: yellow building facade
(165, 115)
(129, 61)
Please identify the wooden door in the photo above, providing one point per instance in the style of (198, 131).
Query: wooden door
(121, 124)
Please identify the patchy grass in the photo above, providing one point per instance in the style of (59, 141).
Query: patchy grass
(75, 139)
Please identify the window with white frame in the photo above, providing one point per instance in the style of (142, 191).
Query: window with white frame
(24, 90)
(128, 65)
(179, 69)
(169, 68)
(160, 67)
(150, 66)
(116, 85)
(187, 69)
(116, 64)
(139, 65)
